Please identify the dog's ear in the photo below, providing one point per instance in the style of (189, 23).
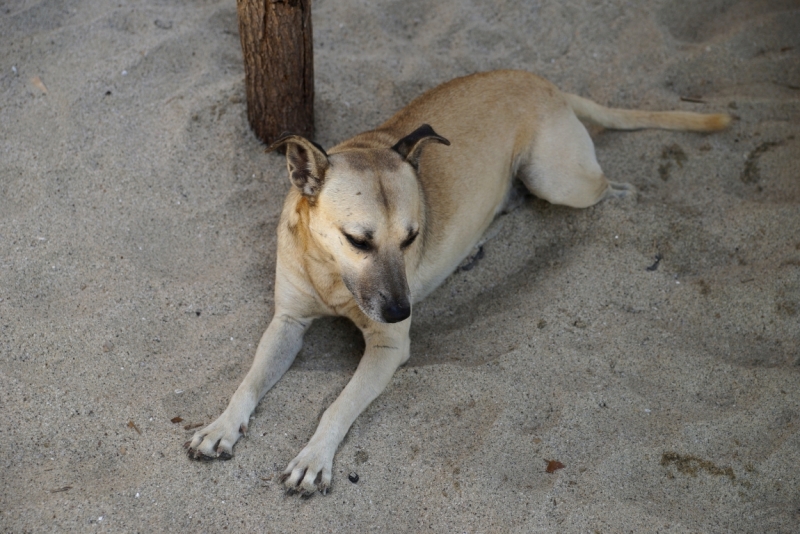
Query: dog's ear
(410, 147)
(307, 163)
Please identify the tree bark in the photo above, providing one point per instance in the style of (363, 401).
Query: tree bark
(278, 66)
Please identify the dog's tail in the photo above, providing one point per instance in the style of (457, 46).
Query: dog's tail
(628, 119)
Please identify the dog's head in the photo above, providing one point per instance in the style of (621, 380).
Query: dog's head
(366, 211)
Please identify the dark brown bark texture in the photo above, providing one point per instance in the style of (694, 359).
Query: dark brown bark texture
(278, 66)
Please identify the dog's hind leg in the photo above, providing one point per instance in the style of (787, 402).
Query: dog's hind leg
(561, 166)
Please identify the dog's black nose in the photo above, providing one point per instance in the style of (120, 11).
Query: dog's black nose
(396, 312)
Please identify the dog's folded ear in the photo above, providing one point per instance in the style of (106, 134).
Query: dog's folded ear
(306, 161)
(410, 147)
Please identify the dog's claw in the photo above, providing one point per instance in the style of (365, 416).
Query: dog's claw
(195, 454)
(305, 493)
(216, 441)
(307, 474)
(199, 456)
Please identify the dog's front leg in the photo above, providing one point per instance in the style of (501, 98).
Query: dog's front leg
(387, 349)
(275, 353)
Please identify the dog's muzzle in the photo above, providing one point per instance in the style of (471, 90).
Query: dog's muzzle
(394, 312)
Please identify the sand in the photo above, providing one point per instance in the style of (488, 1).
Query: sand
(137, 251)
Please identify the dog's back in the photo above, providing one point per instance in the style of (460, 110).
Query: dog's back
(503, 124)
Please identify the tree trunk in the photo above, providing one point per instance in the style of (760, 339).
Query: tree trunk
(278, 66)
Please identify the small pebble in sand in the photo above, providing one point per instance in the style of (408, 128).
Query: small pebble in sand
(554, 465)
(37, 82)
(352, 477)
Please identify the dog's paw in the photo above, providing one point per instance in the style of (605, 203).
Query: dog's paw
(215, 442)
(310, 471)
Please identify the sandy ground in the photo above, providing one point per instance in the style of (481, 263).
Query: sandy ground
(137, 250)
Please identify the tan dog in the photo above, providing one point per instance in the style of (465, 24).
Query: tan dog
(379, 221)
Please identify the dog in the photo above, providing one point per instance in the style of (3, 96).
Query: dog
(376, 223)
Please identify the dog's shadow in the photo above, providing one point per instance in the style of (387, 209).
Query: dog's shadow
(480, 313)
(443, 325)
(331, 344)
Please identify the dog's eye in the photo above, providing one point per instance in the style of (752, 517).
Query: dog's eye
(360, 244)
(410, 239)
